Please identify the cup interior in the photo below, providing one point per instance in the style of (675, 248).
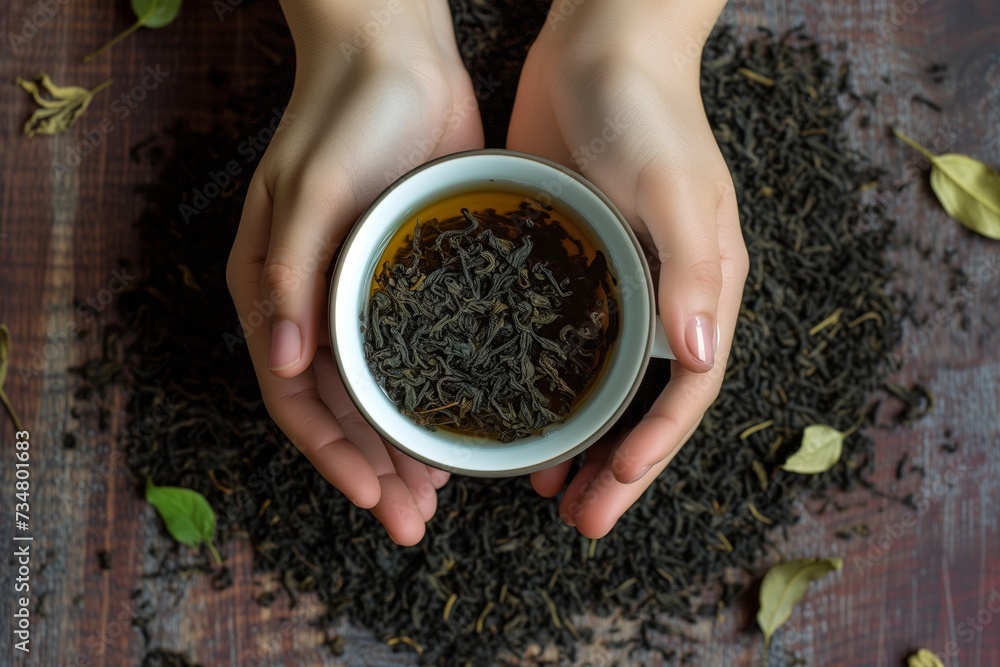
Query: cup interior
(551, 184)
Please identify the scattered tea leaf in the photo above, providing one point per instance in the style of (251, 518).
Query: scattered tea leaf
(60, 106)
(784, 585)
(820, 450)
(4, 355)
(189, 518)
(968, 190)
(924, 658)
(151, 14)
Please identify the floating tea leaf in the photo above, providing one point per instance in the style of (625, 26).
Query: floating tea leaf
(60, 106)
(924, 658)
(820, 450)
(968, 190)
(4, 356)
(151, 14)
(784, 585)
(189, 518)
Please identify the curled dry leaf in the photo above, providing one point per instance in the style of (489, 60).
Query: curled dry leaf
(784, 585)
(968, 189)
(59, 106)
(820, 450)
(189, 518)
(924, 658)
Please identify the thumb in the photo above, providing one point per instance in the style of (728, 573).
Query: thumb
(680, 210)
(304, 236)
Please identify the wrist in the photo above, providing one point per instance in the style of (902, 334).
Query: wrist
(340, 30)
(661, 35)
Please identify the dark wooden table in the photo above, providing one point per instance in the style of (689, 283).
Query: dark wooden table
(929, 578)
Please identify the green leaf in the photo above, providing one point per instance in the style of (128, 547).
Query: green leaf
(968, 190)
(4, 356)
(924, 658)
(189, 518)
(784, 585)
(156, 13)
(820, 450)
(58, 106)
(151, 14)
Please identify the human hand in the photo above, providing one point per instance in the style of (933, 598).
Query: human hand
(364, 110)
(610, 87)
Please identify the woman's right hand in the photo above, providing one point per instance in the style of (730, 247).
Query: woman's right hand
(379, 89)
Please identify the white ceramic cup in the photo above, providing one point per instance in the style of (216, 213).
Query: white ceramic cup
(640, 332)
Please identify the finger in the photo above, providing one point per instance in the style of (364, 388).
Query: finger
(671, 420)
(397, 509)
(681, 210)
(414, 474)
(547, 483)
(294, 405)
(438, 477)
(679, 409)
(533, 126)
(310, 219)
(595, 500)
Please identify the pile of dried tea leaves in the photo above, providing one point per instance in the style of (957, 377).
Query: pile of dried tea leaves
(497, 570)
(486, 324)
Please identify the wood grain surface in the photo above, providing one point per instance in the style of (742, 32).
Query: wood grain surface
(930, 577)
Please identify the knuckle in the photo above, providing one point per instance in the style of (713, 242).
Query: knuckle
(706, 273)
(278, 278)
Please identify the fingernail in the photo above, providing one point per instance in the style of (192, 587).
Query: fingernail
(642, 472)
(700, 338)
(286, 345)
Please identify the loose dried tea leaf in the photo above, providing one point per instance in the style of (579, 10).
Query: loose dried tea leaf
(968, 190)
(821, 448)
(924, 658)
(60, 106)
(783, 586)
(4, 355)
(189, 518)
(468, 329)
(151, 13)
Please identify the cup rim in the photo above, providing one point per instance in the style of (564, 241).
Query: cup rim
(340, 268)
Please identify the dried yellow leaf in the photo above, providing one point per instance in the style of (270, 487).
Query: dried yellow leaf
(783, 586)
(59, 106)
(969, 191)
(924, 658)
